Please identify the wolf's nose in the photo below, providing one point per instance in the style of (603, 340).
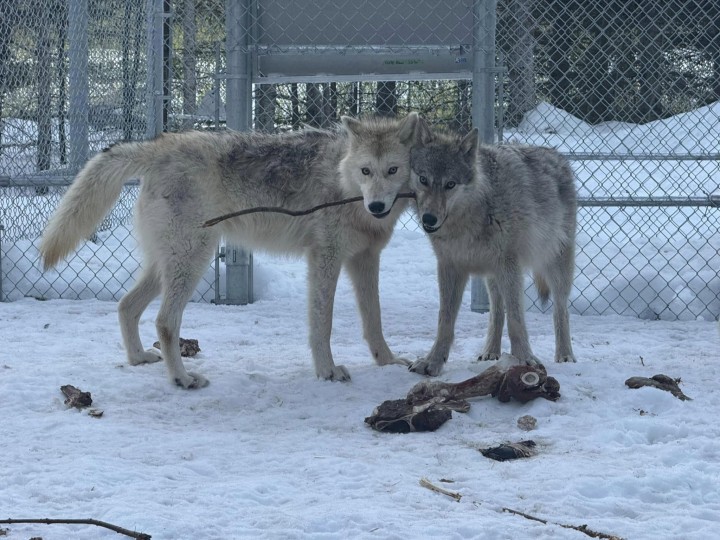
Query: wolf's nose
(429, 220)
(376, 207)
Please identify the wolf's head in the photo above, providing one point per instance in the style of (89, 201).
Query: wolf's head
(378, 159)
(442, 165)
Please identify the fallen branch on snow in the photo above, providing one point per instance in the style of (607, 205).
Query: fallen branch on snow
(582, 528)
(46, 521)
(424, 482)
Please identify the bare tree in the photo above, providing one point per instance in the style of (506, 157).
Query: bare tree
(650, 64)
(8, 22)
(521, 60)
(462, 121)
(321, 104)
(386, 98)
(265, 105)
(43, 78)
(294, 106)
(131, 46)
(313, 105)
(189, 59)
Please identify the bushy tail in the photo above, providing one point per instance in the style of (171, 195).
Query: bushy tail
(543, 288)
(88, 200)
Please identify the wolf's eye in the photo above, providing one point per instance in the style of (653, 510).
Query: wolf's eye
(392, 170)
(365, 171)
(423, 180)
(450, 185)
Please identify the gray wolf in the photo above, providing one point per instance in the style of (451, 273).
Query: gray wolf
(495, 211)
(188, 178)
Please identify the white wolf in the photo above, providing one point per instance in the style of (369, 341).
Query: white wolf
(188, 178)
(494, 211)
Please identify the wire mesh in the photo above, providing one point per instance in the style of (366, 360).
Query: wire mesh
(629, 91)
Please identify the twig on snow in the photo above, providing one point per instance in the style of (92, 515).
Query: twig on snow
(46, 521)
(293, 213)
(424, 482)
(582, 528)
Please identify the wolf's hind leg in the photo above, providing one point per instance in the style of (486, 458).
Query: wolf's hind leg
(130, 308)
(182, 267)
(511, 286)
(560, 279)
(364, 270)
(496, 320)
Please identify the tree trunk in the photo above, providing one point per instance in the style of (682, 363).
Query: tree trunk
(520, 61)
(265, 104)
(189, 28)
(294, 106)
(386, 98)
(62, 89)
(329, 104)
(650, 65)
(315, 108)
(462, 121)
(131, 45)
(7, 23)
(43, 66)
(559, 71)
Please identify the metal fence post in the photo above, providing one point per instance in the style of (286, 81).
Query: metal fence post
(483, 105)
(78, 82)
(154, 114)
(2, 228)
(238, 91)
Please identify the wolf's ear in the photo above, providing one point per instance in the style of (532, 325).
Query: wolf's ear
(353, 125)
(469, 144)
(406, 131)
(424, 134)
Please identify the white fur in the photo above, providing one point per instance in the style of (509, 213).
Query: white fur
(191, 177)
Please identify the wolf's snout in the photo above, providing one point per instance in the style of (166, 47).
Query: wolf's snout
(376, 207)
(429, 220)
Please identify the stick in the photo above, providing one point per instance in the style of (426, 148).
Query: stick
(582, 528)
(115, 528)
(424, 482)
(293, 213)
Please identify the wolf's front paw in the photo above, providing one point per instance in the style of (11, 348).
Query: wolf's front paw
(566, 358)
(146, 357)
(532, 360)
(426, 367)
(335, 373)
(485, 356)
(191, 381)
(392, 359)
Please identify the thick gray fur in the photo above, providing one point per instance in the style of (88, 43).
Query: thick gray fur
(188, 178)
(495, 211)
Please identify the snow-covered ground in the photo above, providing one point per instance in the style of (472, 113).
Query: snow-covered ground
(268, 451)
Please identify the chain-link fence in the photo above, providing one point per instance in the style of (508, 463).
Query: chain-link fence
(628, 90)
